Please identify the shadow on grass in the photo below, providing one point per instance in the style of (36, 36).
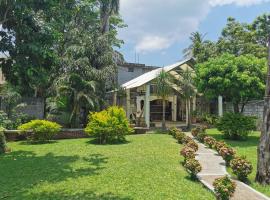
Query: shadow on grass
(97, 142)
(91, 195)
(26, 142)
(22, 170)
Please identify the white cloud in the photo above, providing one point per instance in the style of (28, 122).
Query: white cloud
(155, 25)
(236, 2)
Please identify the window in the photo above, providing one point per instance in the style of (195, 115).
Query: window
(131, 69)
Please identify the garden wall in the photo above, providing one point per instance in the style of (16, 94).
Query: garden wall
(13, 135)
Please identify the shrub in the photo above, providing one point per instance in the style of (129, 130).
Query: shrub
(110, 125)
(236, 126)
(227, 154)
(186, 139)
(3, 143)
(201, 137)
(40, 130)
(195, 131)
(210, 141)
(224, 188)
(193, 166)
(179, 136)
(193, 145)
(241, 168)
(187, 152)
(14, 121)
(219, 145)
(172, 131)
(203, 128)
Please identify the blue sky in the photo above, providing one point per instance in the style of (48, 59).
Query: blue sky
(159, 30)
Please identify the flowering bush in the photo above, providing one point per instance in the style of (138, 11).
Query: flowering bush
(193, 145)
(109, 125)
(210, 141)
(219, 145)
(224, 188)
(41, 130)
(241, 168)
(193, 166)
(187, 152)
(186, 139)
(179, 136)
(227, 154)
(203, 128)
(201, 137)
(173, 131)
(195, 131)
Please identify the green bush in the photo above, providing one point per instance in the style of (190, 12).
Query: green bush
(201, 136)
(193, 167)
(227, 154)
(193, 145)
(187, 152)
(236, 126)
(110, 125)
(210, 141)
(40, 130)
(179, 136)
(3, 143)
(14, 121)
(172, 131)
(241, 168)
(224, 188)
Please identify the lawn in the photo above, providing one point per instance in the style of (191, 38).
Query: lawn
(246, 148)
(145, 167)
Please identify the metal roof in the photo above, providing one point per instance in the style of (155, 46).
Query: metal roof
(149, 76)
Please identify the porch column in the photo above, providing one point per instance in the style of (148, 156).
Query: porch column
(220, 106)
(115, 98)
(138, 103)
(194, 103)
(147, 106)
(128, 103)
(174, 108)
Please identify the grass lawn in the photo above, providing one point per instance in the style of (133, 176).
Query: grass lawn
(146, 167)
(246, 148)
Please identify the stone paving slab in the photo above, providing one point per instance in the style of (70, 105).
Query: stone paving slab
(213, 166)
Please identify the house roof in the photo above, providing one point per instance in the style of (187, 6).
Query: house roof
(149, 76)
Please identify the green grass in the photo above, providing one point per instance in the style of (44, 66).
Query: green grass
(146, 167)
(246, 148)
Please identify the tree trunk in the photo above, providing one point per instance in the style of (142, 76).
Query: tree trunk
(163, 114)
(105, 23)
(263, 165)
(188, 117)
(235, 107)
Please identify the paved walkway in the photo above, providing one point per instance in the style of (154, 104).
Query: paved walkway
(213, 166)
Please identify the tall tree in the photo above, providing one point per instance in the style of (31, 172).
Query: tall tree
(263, 164)
(164, 89)
(238, 79)
(187, 89)
(107, 9)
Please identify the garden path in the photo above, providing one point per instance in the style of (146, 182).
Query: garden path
(213, 166)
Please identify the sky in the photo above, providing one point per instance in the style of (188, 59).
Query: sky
(159, 30)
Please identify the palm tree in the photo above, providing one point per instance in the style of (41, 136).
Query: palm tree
(164, 89)
(197, 42)
(107, 9)
(79, 92)
(185, 83)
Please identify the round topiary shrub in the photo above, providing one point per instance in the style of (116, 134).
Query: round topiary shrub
(193, 145)
(201, 136)
(40, 130)
(210, 141)
(179, 136)
(186, 139)
(187, 152)
(195, 131)
(224, 188)
(193, 167)
(241, 168)
(172, 131)
(227, 154)
(109, 126)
